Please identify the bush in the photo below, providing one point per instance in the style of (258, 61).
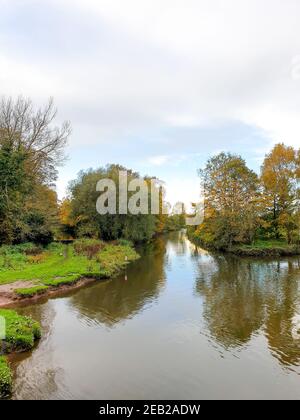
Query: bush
(16, 249)
(33, 251)
(37, 229)
(125, 242)
(36, 259)
(88, 247)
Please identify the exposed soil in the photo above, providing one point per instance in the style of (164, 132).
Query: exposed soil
(8, 297)
(7, 290)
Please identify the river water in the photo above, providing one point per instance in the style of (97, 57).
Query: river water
(181, 323)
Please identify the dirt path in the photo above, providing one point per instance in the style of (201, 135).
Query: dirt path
(8, 298)
(7, 294)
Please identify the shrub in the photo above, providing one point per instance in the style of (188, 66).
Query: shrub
(27, 248)
(33, 251)
(36, 259)
(88, 247)
(56, 247)
(125, 242)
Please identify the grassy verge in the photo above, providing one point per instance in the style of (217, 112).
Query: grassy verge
(31, 291)
(60, 265)
(265, 248)
(19, 334)
(259, 248)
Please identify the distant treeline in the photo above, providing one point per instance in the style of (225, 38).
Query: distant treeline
(240, 206)
(31, 150)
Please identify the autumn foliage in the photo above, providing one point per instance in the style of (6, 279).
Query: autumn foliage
(241, 206)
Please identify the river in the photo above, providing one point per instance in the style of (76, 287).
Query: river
(181, 323)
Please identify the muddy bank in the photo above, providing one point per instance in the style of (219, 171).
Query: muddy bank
(9, 298)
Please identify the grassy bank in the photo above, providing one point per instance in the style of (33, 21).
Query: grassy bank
(18, 333)
(259, 248)
(41, 270)
(266, 248)
(60, 265)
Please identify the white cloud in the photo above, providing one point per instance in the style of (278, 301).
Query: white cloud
(134, 63)
(21, 77)
(127, 70)
(158, 160)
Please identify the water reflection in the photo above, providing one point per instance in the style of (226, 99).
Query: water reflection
(180, 323)
(121, 298)
(242, 296)
(33, 379)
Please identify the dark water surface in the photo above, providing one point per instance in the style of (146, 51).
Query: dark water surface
(183, 324)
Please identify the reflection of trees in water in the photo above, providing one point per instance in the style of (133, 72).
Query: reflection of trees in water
(110, 302)
(282, 324)
(177, 243)
(233, 300)
(242, 295)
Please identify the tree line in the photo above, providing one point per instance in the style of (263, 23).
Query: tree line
(32, 147)
(240, 206)
(79, 218)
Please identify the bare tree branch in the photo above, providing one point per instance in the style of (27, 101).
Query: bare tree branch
(34, 131)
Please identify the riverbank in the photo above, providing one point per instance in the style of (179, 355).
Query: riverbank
(17, 334)
(260, 248)
(266, 249)
(28, 272)
(96, 341)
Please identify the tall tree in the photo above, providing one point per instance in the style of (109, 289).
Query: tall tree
(83, 194)
(31, 149)
(231, 201)
(280, 176)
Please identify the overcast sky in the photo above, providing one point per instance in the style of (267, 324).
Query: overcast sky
(158, 85)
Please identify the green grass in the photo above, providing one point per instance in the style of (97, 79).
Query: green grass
(20, 334)
(15, 257)
(114, 258)
(5, 378)
(267, 244)
(60, 281)
(21, 331)
(31, 291)
(266, 248)
(62, 265)
(59, 265)
(54, 265)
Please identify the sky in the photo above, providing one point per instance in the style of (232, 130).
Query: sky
(158, 86)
